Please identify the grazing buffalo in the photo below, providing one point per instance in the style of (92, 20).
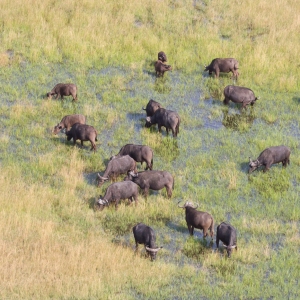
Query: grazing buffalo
(117, 191)
(162, 56)
(167, 118)
(63, 89)
(152, 107)
(144, 234)
(161, 68)
(270, 156)
(239, 94)
(227, 234)
(68, 121)
(198, 219)
(153, 180)
(116, 167)
(139, 153)
(224, 65)
(83, 133)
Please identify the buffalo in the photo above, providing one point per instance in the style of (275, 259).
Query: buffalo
(144, 234)
(161, 68)
(239, 94)
(117, 191)
(224, 65)
(139, 153)
(68, 121)
(152, 107)
(153, 180)
(270, 156)
(63, 89)
(162, 56)
(83, 133)
(227, 234)
(167, 118)
(198, 219)
(116, 167)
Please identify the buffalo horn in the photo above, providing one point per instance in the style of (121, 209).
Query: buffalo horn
(250, 161)
(153, 250)
(224, 246)
(148, 119)
(180, 206)
(131, 173)
(102, 178)
(197, 205)
(143, 108)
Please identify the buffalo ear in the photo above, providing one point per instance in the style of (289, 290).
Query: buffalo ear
(148, 119)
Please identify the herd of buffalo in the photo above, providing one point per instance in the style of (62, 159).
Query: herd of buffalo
(125, 162)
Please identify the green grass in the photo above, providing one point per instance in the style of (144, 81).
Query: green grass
(53, 243)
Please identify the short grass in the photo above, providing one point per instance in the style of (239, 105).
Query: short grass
(53, 243)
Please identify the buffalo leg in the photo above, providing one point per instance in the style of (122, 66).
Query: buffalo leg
(191, 229)
(146, 192)
(169, 191)
(217, 242)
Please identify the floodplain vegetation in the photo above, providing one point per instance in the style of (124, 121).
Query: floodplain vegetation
(54, 244)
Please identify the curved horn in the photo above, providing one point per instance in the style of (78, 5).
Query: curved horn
(178, 205)
(131, 173)
(143, 108)
(225, 246)
(148, 119)
(102, 178)
(197, 205)
(153, 250)
(250, 161)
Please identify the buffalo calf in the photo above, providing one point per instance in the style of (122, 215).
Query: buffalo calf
(68, 121)
(63, 89)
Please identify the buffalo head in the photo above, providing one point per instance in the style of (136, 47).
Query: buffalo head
(229, 249)
(101, 179)
(253, 165)
(152, 252)
(101, 203)
(187, 204)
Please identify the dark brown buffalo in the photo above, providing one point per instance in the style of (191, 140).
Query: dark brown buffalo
(117, 191)
(239, 94)
(224, 65)
(166, 118)
(116, 167)
(83, 133)
(68, 121)
(227, 234)
(63, 89)
(162, 56)
(198, 219)
(153, 180)
(161, 68)
(270, 156)
(152, 107)
(140, 153)
(145, 235)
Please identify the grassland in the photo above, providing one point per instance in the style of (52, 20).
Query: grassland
(53, 243)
